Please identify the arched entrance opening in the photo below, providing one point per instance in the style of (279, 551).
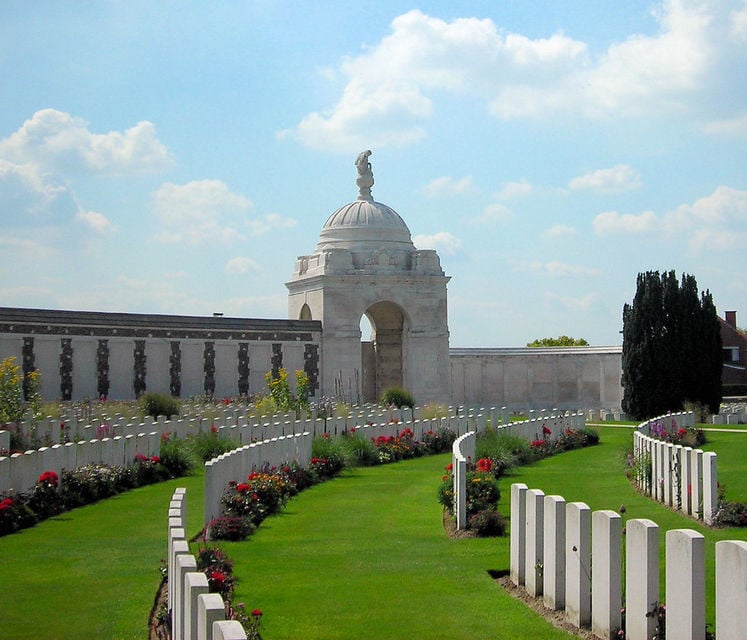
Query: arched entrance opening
(305, 313)
(382, 356)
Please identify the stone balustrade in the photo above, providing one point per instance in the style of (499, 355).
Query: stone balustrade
(676, 475)
(572, 557)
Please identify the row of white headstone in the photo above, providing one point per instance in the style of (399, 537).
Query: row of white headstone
(20, 471)
(572, 558)
(673, 474)
(195, 613)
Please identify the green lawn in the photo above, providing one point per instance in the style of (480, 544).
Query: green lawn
(362, 556)
(92, 572)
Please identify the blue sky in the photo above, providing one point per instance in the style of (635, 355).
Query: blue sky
(176, 157)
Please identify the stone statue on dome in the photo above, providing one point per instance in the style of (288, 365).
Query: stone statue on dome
(365, 178)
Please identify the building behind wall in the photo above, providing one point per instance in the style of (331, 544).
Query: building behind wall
(83, 354)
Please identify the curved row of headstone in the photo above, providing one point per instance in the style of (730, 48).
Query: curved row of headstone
(534, 429)
(194, 612)
(573, 558)
(673, 474)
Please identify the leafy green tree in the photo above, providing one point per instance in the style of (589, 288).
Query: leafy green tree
(561, 341)
(671, 347)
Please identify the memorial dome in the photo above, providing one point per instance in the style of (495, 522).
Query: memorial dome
(365, 223)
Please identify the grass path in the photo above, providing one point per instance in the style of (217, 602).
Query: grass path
(366, 556)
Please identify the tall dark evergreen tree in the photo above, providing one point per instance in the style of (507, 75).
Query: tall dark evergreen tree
(671, 347)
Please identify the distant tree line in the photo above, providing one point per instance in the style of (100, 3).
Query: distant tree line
(561, 341)
(672, 352)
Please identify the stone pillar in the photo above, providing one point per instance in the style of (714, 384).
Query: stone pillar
(517, 564)
(553, 579)
(641, 577)
(578, 563)
(685, 584)
(606, 586)
(731, 589)
(534, 541)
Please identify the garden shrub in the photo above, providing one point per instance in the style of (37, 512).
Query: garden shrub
(439, 441)
(487, 524)
(207, 446)
(233, 528)
(482, 491)
(358, 451)
(158, 404)
(176, 456)
(398, 397)
(330, 449)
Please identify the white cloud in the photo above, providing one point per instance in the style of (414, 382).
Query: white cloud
(717, 221)
(555, 269)
(560, 231)
(199, 212)
(241, 265)
(512, 190)
(443, 242)
(728, 127)
(96, 221)
(495, 212)
(63, 143)
(30, 197)
(616, 179)
(390, 87)
(446, 186)
(714, 222)
(614, 223)
(268, 222)
(569, 303)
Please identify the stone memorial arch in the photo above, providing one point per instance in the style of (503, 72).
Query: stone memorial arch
(365, 264)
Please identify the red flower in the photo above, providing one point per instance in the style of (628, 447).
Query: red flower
(139, 457)
(485, 465)
(449, 467)
(49, 477)
(241, 488)
(214, 429)
(226, 401)
(546, 430)
(537, 443)
(165, 436)
(155, 459)
(257, 613)
(681, 432)
(6, 503)
(352, 429)
(218, 577)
